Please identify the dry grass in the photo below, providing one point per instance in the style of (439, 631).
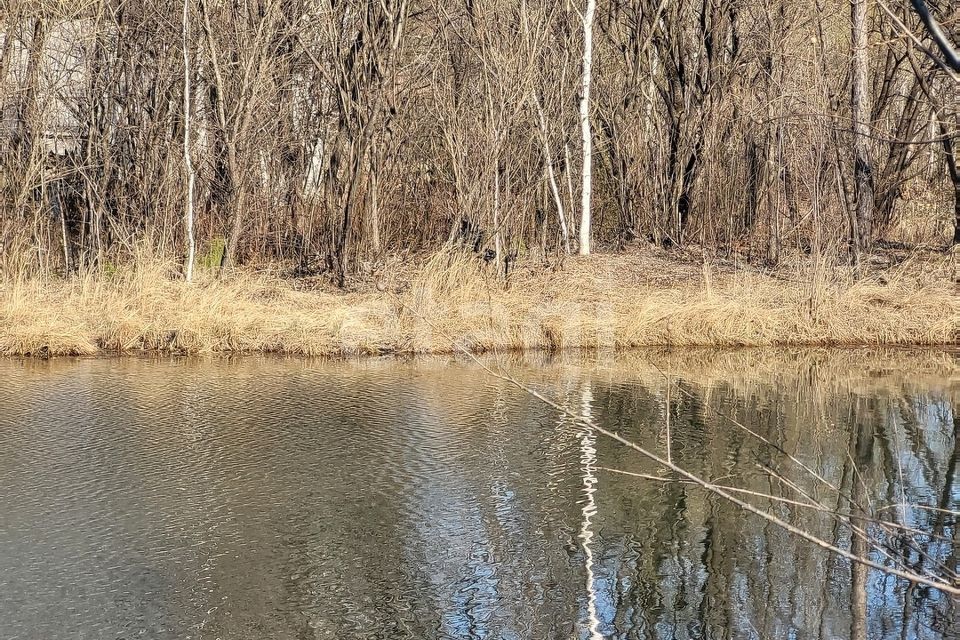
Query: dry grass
(605, 301)
(803, 372)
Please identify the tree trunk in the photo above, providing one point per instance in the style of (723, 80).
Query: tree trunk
(773, 192)
(26, 128)
(949, 151)
(374, 210)
(229, 133)
(57, 203)
(862, 234)
(496, 217)
(234, 207)
(343, 239)
(588, 18)
(552, 176)
(754, 171)
(568, 164)
(188, 162)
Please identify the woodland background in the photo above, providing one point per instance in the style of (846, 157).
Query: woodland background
(326, 134)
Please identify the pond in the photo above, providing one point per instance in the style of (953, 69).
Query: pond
(249, 498)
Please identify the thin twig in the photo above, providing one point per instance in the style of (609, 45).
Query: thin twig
(797, 503)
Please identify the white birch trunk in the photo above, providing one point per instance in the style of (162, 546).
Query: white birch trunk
(191, 174)
(588, 17)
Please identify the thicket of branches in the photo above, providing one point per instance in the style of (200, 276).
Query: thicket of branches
(326, 133)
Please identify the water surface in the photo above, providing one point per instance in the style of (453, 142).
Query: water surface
(272, 498)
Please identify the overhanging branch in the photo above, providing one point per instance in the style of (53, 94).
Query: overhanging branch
(947, 49)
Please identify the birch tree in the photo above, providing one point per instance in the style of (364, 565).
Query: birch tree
(862, 219)
(586, 132)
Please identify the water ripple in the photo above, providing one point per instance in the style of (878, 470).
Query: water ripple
(260, 498)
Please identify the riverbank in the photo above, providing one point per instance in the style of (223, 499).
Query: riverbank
(609, 301)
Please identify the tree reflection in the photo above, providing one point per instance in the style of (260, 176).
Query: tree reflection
(422, 500)
(588, 463)
(732, 575)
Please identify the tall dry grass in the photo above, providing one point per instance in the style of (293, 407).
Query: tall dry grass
(601, 302)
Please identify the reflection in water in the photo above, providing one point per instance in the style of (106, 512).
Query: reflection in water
(588, 461)
(269, 498)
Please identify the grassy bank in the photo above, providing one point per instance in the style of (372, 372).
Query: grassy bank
(606, 301)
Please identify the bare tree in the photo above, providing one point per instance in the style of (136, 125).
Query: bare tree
(862, 224)
(587, 134)
(187, 159)
(324, 135)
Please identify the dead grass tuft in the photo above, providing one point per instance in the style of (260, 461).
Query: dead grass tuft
(605, 301)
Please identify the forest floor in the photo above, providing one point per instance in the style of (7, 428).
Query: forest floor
(438, 303)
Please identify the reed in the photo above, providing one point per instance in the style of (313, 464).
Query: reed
(599, 302)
